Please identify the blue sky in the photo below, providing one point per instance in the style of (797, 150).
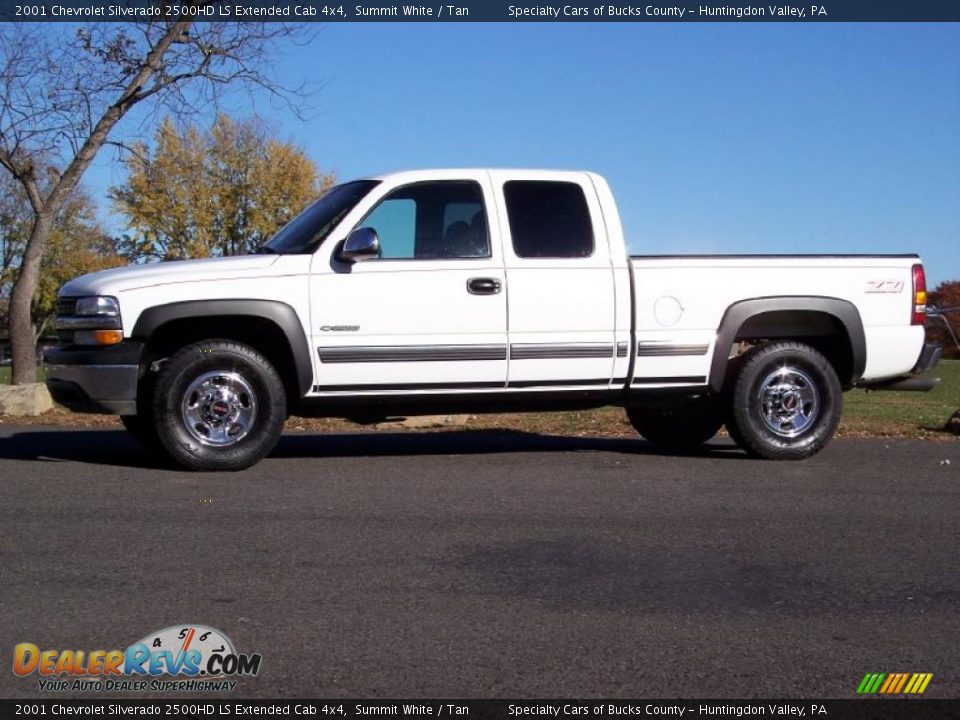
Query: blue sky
(715, 137)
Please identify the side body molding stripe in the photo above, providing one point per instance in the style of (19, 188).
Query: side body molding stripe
(453, 353)
(410, 353)
(558, 351)
(281, 314)
(661, 349)
(738, 313)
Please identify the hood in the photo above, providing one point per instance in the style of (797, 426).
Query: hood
(109, 282)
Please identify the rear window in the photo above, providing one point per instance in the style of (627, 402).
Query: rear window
(548, 219)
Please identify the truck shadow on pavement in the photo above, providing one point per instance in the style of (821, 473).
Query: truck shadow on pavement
(116, 447)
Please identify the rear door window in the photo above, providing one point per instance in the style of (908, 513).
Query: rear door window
(548, 219)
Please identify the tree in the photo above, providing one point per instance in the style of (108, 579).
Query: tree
(64, 92)
(946, 295)
(77, 245)
(14, 230)
(223, 192)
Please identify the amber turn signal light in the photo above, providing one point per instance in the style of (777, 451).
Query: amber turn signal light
(98, 337)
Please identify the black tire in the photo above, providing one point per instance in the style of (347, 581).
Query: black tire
(683, 428)
(785, 403)
(219, 405)
(143, 429)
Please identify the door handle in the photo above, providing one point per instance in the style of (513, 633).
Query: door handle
(483, 286)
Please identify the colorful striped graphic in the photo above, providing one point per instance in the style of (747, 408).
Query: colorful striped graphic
(894, 683)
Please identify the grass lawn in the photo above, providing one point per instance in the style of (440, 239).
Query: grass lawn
(904, 413)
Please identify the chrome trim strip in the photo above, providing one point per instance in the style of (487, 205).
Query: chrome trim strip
(622, 348)
(559, 351)
(88, 322)
(662, 349)
(411, 353)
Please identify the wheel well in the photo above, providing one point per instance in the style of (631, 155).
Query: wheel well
(822, 331)
(262, 334)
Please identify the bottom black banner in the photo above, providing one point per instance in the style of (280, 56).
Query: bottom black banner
(866, 709)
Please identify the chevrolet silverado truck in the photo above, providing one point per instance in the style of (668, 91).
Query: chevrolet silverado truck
(474, 291)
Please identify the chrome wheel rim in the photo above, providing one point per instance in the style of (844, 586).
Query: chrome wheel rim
(789, 402)
(219, 408)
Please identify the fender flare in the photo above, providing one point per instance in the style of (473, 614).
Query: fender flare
(844, 311)
(279, 313)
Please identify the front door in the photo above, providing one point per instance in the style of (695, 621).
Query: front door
(428, 315)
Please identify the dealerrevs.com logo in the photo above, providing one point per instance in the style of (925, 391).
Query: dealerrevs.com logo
(180, 658)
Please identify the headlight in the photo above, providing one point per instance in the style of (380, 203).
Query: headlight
(93, 320)
(97, 306)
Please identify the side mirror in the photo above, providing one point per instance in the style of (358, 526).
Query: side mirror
(362, 244)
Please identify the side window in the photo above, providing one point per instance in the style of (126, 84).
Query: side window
(431, 220)
(548, 219)
(395, 220)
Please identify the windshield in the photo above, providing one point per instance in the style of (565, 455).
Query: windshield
(307, 230)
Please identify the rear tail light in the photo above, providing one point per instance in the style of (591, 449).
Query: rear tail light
(919, 314)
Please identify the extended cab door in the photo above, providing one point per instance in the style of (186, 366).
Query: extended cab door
(428, 315)
(560, 283)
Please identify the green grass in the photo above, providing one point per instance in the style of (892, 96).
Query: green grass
(905, 413)
(5, 375)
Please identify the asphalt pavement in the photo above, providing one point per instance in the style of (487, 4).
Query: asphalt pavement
(493, 564)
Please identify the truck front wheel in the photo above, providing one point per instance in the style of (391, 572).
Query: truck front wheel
(684, 428)
(785, 403)
(219, 405)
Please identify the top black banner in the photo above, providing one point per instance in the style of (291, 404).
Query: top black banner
(480, 11)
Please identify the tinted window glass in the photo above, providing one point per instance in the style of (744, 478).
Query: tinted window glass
(307, 230)
(431, 220)
(548, 219)
(395, 220)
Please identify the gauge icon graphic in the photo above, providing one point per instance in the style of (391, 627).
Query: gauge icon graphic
(181, 639)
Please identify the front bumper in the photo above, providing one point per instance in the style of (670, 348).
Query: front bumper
(95, 380)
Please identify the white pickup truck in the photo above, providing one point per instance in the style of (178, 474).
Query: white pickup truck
(484, 291)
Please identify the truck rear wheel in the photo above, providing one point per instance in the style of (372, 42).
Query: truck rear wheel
(785, 403)
(683, 428)
(219, 405)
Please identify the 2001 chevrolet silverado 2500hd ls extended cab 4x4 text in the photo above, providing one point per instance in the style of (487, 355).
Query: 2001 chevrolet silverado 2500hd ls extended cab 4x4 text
(483, 290)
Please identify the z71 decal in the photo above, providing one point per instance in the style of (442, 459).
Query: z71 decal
(893, 287)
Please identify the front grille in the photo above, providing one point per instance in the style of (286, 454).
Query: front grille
(66, 305)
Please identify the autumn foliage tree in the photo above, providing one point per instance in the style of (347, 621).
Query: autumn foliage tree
(220, 192)
(77, 245)
(946, 295)
(64, 91)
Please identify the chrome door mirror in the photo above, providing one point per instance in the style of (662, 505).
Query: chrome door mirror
(362, 244)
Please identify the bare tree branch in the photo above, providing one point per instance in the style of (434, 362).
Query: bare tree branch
(64, 91)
